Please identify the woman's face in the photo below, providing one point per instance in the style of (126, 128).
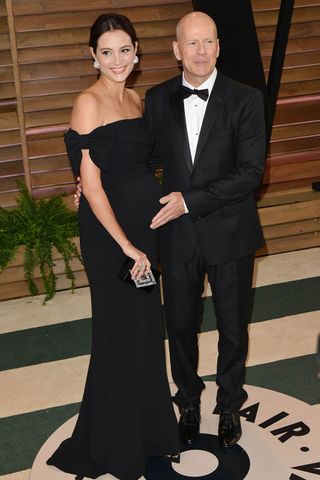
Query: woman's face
(115, 54)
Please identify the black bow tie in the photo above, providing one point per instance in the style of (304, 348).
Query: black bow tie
(186, 92)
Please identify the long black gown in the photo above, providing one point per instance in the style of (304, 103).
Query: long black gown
(126, 415)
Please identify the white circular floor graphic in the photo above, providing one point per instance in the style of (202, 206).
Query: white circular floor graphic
(280, 441)
(205, 463)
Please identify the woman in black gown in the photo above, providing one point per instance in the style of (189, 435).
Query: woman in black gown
(126, 415)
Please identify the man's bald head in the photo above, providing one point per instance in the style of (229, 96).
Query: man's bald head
(197, 46)
(192, 19)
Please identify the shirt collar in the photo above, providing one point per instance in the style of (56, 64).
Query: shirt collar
(207, 84)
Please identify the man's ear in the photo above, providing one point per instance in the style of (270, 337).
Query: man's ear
(218, 50)
(176, 52)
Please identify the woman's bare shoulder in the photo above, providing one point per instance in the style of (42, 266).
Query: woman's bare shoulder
(85, 112)
(135, 97)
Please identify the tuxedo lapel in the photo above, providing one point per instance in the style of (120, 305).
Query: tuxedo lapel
(180, 122)
(213, 114)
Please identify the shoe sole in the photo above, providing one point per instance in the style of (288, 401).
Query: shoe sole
(230, 445)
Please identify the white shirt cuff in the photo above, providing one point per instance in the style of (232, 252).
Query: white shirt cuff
(185, 206)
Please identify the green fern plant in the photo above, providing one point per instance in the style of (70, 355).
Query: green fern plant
(40, 225)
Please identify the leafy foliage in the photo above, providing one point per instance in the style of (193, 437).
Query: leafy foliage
(40, 225)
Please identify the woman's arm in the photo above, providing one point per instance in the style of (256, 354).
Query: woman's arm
(84, 119)
(98, 200)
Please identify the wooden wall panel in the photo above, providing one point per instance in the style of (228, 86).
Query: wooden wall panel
(296, 130)
(45, 63)
(28, 7)
(11, 158)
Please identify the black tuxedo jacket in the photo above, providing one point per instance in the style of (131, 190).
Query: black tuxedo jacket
(219, 187)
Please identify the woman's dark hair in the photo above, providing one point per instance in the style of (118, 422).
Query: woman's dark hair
(108, 22)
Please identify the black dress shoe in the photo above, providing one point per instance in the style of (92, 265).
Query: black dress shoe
(229, 429)
(189, 423)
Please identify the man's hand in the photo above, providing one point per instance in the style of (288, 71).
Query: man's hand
(174, 208)
(77, 195)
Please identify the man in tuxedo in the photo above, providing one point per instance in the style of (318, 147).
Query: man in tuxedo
(210, 140)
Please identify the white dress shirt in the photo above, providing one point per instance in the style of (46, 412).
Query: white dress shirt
(194, 110)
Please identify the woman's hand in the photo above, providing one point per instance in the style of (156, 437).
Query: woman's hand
(78, 193)
(141, 265)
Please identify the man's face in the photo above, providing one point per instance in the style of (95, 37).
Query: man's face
(197, 47)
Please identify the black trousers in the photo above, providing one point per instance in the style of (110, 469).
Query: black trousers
(231, 284)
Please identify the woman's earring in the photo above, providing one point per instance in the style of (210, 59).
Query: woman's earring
(136, 59)
(96, 64)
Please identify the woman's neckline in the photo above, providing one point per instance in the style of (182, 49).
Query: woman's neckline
(107, 125)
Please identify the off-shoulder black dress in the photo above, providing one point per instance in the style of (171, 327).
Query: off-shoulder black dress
(126, 413)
